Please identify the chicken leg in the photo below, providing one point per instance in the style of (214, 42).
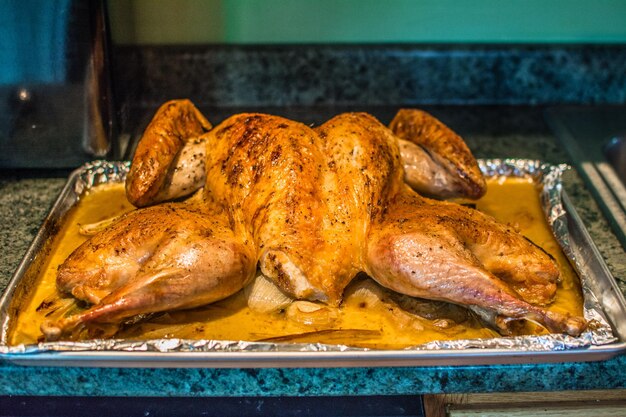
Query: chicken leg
(443, 251)
(167, 257)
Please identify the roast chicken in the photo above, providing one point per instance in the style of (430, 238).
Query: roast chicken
(308, 209)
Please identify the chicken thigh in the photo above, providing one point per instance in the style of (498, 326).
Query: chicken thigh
(444, 251)
(155, 259)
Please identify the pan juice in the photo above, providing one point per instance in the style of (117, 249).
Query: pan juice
(383, 324)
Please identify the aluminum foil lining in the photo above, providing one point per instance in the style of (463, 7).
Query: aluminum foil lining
(546, 175)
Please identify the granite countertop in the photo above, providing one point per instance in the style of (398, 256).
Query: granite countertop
(26, 196)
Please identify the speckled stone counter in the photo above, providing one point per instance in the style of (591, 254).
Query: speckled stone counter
(491, 132)
(309, 75)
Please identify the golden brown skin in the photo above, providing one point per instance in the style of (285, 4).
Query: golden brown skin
(175, 255)
(444, 251)
(314, 207)
(177, 125)
(427, 248)
(266, 170)
(360, 169)
(437, 161)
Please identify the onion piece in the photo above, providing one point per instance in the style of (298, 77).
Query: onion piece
(312, 314)
(265, 297)
(365, 293)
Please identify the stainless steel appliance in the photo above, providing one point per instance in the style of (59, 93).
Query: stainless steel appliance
(56, 107)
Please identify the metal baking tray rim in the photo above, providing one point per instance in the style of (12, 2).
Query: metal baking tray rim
(389, 358)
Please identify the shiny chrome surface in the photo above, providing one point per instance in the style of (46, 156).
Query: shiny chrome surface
(98, 108)
(56, 107)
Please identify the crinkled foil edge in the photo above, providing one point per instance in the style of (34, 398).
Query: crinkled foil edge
(546, 175)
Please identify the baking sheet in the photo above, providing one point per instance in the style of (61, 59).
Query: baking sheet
(604, 305)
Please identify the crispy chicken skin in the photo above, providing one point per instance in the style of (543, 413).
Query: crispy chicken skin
(266, 170)
(159, 258)
(169, 159)
(437, 161)
(444, 251)
(312, 208)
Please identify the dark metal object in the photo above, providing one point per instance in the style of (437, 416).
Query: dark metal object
(56, 107)
(340, 406)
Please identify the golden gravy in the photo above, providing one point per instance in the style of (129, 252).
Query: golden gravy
(383, 325)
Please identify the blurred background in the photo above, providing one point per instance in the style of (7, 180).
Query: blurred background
(367, 21)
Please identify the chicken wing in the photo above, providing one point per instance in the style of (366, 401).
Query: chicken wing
(437, 162)
(169, 159)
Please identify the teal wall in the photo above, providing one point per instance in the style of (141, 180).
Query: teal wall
(367, 21)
